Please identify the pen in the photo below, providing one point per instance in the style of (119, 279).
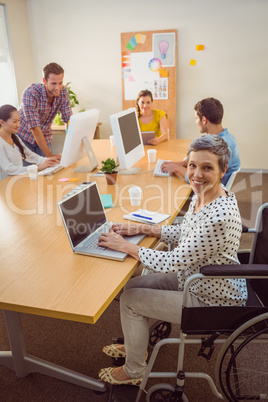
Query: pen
(143, 217)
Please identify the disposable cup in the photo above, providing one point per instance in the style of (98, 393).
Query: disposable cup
(112, 140)
(151, 155)
(33, 172)
(135, 193)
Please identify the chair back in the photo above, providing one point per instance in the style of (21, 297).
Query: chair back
(259, 252)
(230, 181)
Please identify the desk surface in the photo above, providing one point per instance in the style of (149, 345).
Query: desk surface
(39, 272)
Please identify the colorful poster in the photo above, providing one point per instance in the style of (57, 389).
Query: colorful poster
(144, 73)
(164, 48)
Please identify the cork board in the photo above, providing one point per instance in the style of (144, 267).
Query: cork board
(149, 61)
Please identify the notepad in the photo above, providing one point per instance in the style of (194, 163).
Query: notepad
(107, 200)
(150, 217)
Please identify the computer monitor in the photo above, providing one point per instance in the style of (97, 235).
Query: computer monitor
(78, 140)
(128, 141)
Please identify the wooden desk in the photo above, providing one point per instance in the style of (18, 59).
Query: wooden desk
(39, 272)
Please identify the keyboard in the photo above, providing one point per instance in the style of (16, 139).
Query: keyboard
(92, 241)
(50, 170)
(157, 169)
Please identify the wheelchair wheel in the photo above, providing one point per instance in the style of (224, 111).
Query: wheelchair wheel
(159, 330)
(241, 368)
(164, 393)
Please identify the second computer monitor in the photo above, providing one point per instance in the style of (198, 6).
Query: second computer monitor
(128, 141)
(79, 138)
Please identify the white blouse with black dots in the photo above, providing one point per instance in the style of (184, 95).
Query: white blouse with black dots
(208, 237)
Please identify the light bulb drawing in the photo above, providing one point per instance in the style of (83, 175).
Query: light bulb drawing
(163, 47)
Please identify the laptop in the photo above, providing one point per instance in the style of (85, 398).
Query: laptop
(146, 136)
(84, 220)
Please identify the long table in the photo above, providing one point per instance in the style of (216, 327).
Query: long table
(39, 272)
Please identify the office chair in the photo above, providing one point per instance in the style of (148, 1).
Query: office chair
(241, 367)
(231, 179)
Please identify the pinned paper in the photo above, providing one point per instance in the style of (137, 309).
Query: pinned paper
(192, 62)
(142, 38)
(163, 72)
(130, 78)
(200, 47)
(130, 46)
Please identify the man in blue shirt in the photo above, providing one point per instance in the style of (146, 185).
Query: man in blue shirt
(208, 117)
(39, 106)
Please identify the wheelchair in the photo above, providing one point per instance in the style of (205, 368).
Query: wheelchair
(240, 332)
(241, 369)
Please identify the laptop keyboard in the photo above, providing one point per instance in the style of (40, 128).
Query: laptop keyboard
(50, 170)
(92, 241)
(157, 169)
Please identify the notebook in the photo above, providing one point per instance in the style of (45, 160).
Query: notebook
(84, 220)
(146, 136)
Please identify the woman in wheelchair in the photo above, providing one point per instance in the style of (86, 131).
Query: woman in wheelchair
(209, 235)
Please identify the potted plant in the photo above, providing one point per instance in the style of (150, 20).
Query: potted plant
(73, 100)
(109, 169)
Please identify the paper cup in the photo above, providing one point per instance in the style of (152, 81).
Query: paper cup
(135, 195)
(112, 140)
(151, 155)
(33, 172)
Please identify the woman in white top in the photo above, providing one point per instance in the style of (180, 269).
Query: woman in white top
(209, 235)
(12, 149)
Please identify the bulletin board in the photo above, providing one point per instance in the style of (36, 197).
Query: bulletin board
(149, 61)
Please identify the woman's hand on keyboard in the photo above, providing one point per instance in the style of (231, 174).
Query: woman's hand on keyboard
(116, 242)
(51, 161)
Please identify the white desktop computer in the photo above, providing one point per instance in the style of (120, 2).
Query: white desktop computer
(128, 140)
(79, 138)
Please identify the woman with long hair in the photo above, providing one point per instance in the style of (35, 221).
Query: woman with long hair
(151, 119)
(12, 150)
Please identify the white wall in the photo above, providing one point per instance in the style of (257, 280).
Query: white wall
(84, 37)
(18, 25)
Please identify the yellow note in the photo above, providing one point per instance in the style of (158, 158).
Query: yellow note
(200, 47)
(142, 38)
(192, 62)
(74, 179)
(137, 37)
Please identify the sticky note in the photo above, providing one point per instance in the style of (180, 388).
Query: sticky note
(137, 37)
(129, 46)
(142, 38)
(163, 72)
(74, 179)
(200, 47)
(64, 179)
(192, 62)
(107, 200)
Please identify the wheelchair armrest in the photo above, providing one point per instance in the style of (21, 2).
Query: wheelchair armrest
(243, 256)
(245, 229)
(235, 270)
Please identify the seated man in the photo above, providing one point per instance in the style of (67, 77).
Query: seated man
(208, 115)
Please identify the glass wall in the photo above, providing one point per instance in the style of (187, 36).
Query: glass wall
(8, 88)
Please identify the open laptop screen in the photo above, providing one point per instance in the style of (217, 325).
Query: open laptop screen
(83, 214)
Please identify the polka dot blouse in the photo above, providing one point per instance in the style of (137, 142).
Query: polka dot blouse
(208, 237)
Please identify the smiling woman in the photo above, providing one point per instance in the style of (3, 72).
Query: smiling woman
(208, 235)
(151, 119)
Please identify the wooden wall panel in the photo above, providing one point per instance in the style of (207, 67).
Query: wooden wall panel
(168, 105)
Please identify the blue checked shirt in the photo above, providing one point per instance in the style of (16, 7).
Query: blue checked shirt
(35, 111)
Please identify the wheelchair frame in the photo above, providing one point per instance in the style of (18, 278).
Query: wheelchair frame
(182, 341)
(242, 333)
